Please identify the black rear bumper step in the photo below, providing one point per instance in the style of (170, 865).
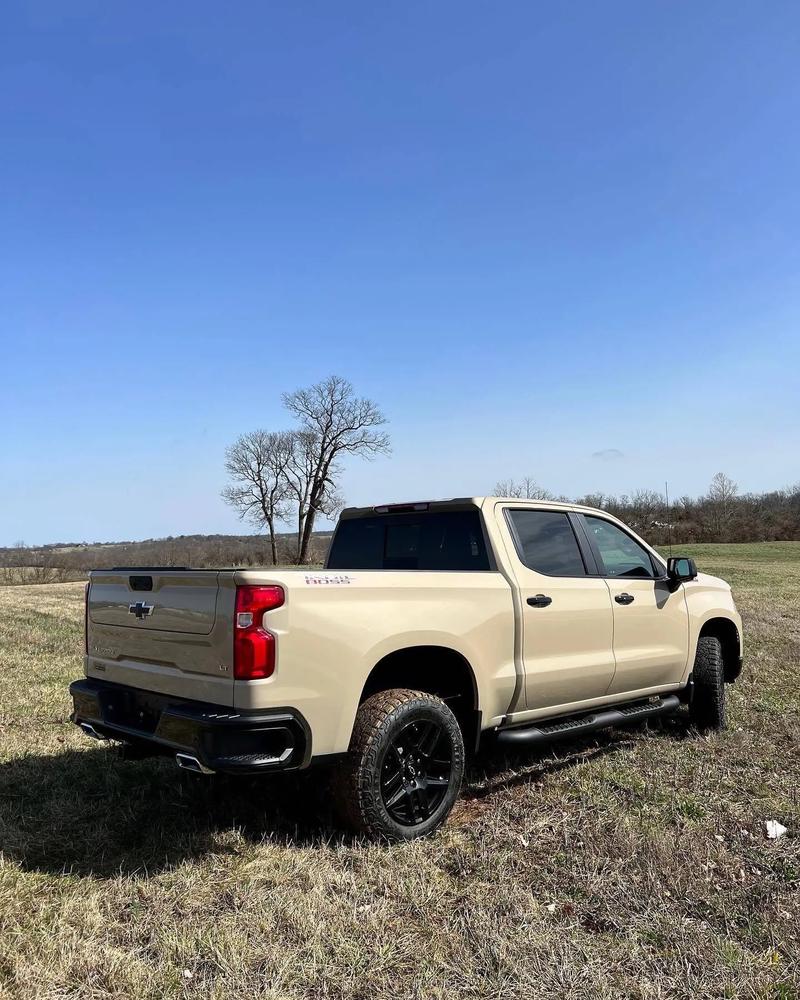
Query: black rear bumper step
(546, 732)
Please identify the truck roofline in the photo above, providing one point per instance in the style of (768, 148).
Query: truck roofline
(452, 503)
(410, 506)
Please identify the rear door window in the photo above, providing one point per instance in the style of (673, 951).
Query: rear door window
(546, 543)
(429, 540)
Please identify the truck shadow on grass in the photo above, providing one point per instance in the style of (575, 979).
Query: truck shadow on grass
(91, 813)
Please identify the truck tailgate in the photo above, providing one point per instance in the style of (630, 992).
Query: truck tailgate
(165, 630)
(155, 601)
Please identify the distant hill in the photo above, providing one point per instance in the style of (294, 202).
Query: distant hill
(62, 561)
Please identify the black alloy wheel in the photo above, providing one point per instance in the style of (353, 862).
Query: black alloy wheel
(404, 769)
(416, 772)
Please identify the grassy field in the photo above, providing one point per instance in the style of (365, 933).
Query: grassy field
(631, 865)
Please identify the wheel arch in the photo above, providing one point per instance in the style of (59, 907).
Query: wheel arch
(727, 632)
(438, 670)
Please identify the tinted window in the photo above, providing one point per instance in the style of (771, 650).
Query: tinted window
(444, 540)
(621, 555)
(546, 542)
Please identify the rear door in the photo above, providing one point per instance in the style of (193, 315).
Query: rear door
(164, 630)
(651, 622)
(567, 619)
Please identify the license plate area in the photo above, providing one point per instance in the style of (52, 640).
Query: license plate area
(131, 709)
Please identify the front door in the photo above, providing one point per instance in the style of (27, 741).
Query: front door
(651, 622)
(567, 616)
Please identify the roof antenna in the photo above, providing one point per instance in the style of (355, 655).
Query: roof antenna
(669, 518)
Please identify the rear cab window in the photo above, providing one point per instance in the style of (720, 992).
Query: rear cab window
(425, 540)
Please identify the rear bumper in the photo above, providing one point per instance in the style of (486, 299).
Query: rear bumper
(222, 739)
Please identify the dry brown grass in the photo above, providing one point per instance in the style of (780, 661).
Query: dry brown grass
(631, 865)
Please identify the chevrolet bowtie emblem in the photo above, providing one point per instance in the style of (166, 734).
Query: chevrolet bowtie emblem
(140, 609)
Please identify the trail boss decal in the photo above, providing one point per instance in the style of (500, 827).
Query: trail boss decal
(327, 580)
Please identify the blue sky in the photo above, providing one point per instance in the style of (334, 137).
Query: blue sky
(533, 233)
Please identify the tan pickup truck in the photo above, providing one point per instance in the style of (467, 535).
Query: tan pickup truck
(432, 626)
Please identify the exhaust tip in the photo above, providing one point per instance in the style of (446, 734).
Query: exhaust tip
(89, 729)
(186, 762)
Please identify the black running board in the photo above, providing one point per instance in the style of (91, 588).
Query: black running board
(555, 729)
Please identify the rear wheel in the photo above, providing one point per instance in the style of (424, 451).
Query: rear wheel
(405, 765)
(707, 710)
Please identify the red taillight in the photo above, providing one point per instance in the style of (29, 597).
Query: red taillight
(253, 645)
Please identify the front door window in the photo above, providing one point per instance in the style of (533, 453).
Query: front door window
(621, 555)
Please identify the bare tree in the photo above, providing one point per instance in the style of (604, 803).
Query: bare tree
(646, 507)
(300, 477)
(526, 489)
(722, 494)
(722, 489)
(599, 500)
(334, 423)
(257, 463)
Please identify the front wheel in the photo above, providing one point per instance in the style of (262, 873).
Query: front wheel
(404, 767)
(707, 710)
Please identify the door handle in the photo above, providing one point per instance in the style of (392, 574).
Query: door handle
(624, 598)
(540, 601)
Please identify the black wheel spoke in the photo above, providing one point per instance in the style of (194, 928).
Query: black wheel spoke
(438, 782)
(396, 797)
(429, 735)
(392, 783)
(422, 808)
(440, 763)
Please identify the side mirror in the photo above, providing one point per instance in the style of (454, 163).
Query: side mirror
(680, 569)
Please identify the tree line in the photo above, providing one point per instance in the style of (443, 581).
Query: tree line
(721, 514)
